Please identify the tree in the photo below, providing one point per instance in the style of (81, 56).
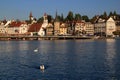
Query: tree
(85, 17)
(115, 16)
(62, 18)
(105, 15)
(77, 17)
(114, 13)
(49, 18)
(59, 18)
(93, 20)
(40, 20)
(110, 14)
(70, 16)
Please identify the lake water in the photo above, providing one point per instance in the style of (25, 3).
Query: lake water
(63, 60)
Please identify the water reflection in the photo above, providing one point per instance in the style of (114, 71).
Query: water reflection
(23, 51)
(110, 56)
(8, 48)
(63, 60)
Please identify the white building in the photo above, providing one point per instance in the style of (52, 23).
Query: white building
(23, 29)
(17, 28)
(44, 25)
(110, 27)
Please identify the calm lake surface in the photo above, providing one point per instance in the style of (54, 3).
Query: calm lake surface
(63, 60)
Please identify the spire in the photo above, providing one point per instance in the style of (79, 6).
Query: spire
(56, 16)
(30, 15)
(45, 14)
(45, 18)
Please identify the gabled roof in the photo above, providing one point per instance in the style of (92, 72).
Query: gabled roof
(63, 25)
(16, 24)
(110, 19)
(35, 27)
(79, 21)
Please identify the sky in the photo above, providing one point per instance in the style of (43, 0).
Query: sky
(20, 9)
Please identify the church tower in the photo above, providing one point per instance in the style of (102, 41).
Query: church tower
(56, 25)
(30, 16)
(56, 17)
(45, 18)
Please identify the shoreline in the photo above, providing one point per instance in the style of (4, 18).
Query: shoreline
(30, 38)
(17, 38)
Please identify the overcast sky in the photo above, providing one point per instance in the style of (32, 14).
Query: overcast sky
(20, 9)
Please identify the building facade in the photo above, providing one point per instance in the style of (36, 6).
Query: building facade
(100, 27)
(63, 29)
(89, 28)
(49, 29)
(80, 28)
(56, 28)
(42, 31)
(110, 27)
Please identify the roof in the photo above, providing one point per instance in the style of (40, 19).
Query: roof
(110, 19)
(45, 14)
(35, 27)
(16, 24)
(63, 25)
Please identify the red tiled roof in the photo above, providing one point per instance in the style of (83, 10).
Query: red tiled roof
(15, 24)
(35, 27)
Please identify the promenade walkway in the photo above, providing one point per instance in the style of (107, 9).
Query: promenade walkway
(43, 37)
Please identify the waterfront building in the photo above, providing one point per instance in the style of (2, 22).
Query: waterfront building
(117, 25)
(70, 27)
(2, 28)
(89, 28)
(32, 19)
(7, 23)
(23, 28)
(110, 27)
(34, 29)
(80, 28)
(42, 31)
(49, 29)
(56, 25)
(30, 16)
(63, 29)
(100, 27)
(45, 22)
(16, 27)
(56, 28)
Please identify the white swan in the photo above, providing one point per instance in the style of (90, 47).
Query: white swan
(36, 50)
(42, 67)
